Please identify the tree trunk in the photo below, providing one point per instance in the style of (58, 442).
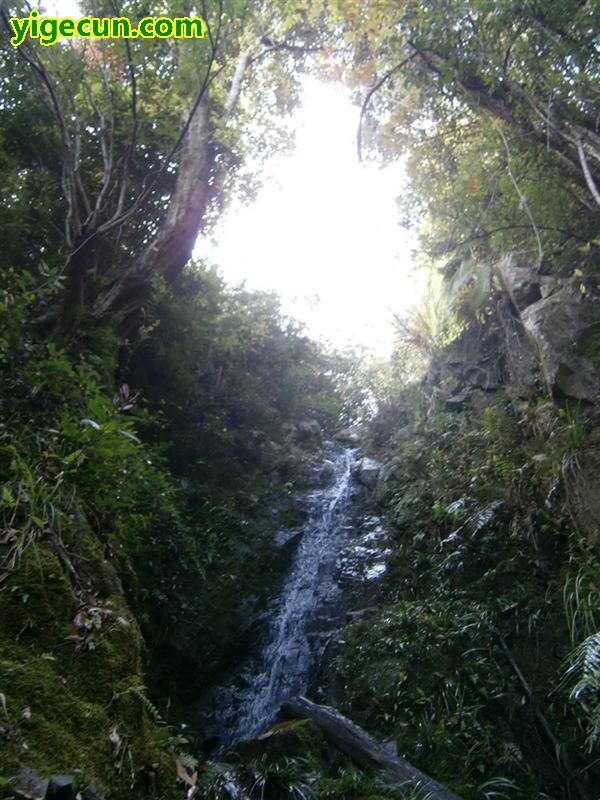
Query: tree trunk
(348, 737)
(170, 250)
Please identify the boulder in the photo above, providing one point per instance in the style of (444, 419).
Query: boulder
(308, 431)
(472, 360)
(523, 284)
(457, 401)
(350, 435)
(368, 472)
(519, 353)
(93, 792)
(565, 328)
(549, 284)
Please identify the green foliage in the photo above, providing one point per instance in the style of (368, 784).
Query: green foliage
(94, 147)
(147, 424)
(19, 292)
(223, 373)
(288, 777)
(426, 330)
(486, 560)
(142, 492)
(580, 592)
(348, 782)
(486, 101)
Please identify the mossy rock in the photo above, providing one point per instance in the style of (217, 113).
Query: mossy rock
(38, 600)
(65, 695)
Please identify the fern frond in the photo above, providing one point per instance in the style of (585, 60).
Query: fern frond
(151, 709)
(478, 522)
(585, 662)
(584, 667)
(187, 760)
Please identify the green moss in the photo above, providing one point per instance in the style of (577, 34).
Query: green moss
(93, 566)
(65, 695)
(113, 660)
(38, 600)
(62, 732)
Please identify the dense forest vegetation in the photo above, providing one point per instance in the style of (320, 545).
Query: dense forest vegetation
(155, 423)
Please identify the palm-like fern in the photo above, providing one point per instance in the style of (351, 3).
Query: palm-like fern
(584, 668)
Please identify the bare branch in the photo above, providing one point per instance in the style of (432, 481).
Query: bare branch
(67, 181)
(119, 218)
(107, 148)
(285, 46)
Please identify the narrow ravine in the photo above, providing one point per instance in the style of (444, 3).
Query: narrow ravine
(301, 618)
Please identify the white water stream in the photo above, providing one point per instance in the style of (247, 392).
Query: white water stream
(303, 616)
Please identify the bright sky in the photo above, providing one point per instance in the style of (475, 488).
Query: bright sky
(61, 8)
(324, 231)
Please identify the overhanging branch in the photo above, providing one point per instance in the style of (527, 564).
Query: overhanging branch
(375, 88)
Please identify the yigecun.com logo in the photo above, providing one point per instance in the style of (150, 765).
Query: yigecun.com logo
(48, 30)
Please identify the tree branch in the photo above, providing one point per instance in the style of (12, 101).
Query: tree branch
(107, 148)
(236, 83)
(375, 88)
(486, 235)
(134, 117)
(589, 178)
(354, 741)
(119, 218)
(522, 197)
(67, 177)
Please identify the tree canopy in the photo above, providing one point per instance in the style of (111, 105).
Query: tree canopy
(137, 144)
(495, 107)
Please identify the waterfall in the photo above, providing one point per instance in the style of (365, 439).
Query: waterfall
(296, 634)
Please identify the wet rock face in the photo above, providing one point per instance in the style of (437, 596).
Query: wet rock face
(30, 785)
(301, 618)
(62, 787)
(566, 329)
(364, 559)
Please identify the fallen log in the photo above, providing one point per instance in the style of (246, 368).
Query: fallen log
(356, 743)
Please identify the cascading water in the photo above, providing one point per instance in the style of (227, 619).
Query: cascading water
(295, 639)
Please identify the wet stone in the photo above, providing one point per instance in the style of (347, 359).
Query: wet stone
(29, 785)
